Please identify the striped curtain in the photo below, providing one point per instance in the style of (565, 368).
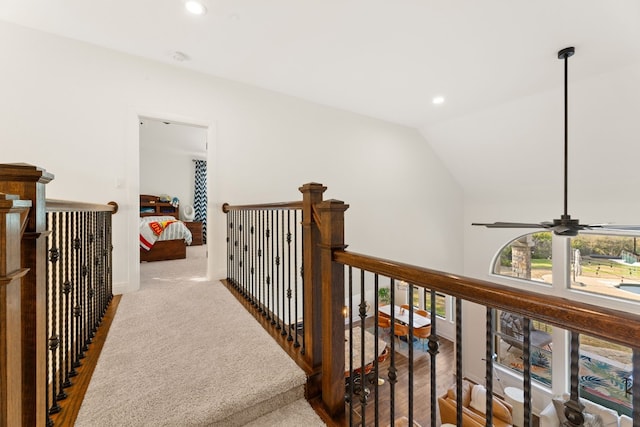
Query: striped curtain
(200, 196)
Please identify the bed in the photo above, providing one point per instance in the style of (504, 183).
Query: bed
(162, 235)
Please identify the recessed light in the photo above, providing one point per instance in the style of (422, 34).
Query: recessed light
(195, 7)
(438, 100)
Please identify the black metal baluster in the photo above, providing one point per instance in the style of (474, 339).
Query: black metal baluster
(362, 312)
(635, 387)
(253, 256)
(489, 350)
(245, 253)
(283, 264)
(573, 408)
(61, 310)
(236, 255)
(71, 255)
(458, 361)
(49, 326)
(302, 328)
(54, 340)
(91, 259)
(276, 282)
(526, 374)
(229, 254)
(66, 289)
(85, 283)
(393, 372)
(260, 262)
(289, 291)
(241, 253)
(76, 274)
(273, 270)
(295, 276)
(376, 369)
(410, 344)
(434, 346)
(350, 326)
(109, 261)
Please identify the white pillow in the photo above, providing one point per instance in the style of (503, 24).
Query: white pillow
(479, 398)
(609, 416)
(625, 421)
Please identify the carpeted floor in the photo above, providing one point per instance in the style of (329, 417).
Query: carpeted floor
(182, 351)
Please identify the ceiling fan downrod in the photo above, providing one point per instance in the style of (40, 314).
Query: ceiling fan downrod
(565, 54)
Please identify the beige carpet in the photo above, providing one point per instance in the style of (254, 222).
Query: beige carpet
(182, 351)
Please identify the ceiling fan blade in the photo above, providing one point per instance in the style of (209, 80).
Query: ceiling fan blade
(510, 225)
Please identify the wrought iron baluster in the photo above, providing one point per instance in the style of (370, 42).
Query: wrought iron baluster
(229, 246)
(51, 320)
(60, 290)
(261, 275)
(393, 372)
(67, 288)
(252, 251)
(350, 327)
(376, 366)
(289, 291)
(76, 274)
(410, 344)
(458, 361)
(434, 346)
(276, 282)
(526, 374)
(91, 259)
(241, 254)
(362, 313)
(273, 272)
(635, 386)
(295, 275)
(489, 350)
(85, 284)
(573, 407)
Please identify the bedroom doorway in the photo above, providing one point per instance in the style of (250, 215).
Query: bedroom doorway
(173, 167)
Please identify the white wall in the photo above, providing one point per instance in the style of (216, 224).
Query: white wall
(74, 109)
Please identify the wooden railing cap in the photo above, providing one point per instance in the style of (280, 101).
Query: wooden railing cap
(24, 172)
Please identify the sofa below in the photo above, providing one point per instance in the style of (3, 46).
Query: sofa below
(471, 416)
(609, 418)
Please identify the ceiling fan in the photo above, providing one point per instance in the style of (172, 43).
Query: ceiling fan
(565, 226)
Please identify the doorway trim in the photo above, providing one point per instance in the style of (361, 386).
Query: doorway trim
(132, 164)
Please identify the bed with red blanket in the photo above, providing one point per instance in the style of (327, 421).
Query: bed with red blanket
(162, 235)
(163, 238)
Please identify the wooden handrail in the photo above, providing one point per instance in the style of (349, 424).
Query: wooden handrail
(55, 205)
(226, 207)
(613, 325)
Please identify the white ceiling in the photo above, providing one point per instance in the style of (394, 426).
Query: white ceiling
(388, 59)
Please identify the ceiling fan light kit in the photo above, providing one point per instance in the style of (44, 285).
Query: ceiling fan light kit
(565, 226)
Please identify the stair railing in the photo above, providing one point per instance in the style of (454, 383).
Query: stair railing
(330, 299)
(55, 286)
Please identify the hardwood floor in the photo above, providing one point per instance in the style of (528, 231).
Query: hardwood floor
(445, 366)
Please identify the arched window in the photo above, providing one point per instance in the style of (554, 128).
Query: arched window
(597, 267)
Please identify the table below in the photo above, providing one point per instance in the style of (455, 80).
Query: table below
(402, 315)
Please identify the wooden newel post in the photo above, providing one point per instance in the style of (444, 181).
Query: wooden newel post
(13, 213)
(28, 183)
(311, 196)
(331, 223)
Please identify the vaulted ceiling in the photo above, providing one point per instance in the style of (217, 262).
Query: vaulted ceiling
(494, 61)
